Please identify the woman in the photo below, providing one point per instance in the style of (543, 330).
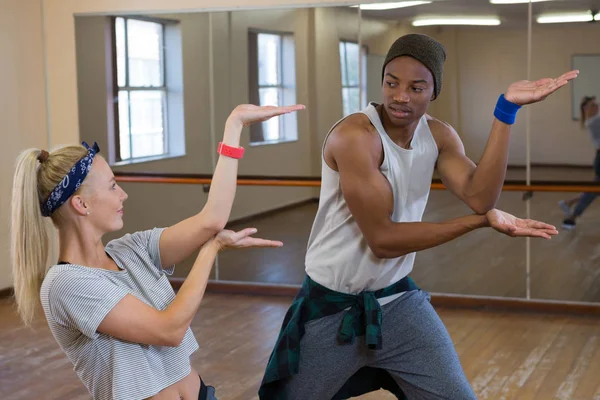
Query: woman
(590, 119)
(112, 309)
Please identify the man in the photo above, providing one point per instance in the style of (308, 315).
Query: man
(359, 322)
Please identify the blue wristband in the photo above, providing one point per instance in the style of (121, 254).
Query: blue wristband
(506, 111)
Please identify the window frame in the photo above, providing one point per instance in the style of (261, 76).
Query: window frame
(281, 86)
(361, 84)
(115, 141)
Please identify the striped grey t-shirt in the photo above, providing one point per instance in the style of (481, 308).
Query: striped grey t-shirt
(76, 299)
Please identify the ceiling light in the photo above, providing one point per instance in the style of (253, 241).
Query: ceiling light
(456, 21)
(569, 17)
(515, 1)
(389, 6)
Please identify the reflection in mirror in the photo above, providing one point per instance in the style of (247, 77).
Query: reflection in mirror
(280, 57)
(484, 262)
(144, 96)
(283, 266)
(325, 58)
(565, 148)
(564, 37)
(160, 105)
(586, 87)
(566, 267)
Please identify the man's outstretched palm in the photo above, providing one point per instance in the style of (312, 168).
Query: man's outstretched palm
(512, 226)
(527, 92)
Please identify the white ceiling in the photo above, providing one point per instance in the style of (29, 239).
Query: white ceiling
(508, 13)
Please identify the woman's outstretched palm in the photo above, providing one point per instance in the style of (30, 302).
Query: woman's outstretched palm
(248, 114)
(227, 239)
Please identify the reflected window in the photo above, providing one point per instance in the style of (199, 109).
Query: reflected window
(142, 92)
(272, 83)
(352, 99)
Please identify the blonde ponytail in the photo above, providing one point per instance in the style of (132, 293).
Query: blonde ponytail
(32, 236)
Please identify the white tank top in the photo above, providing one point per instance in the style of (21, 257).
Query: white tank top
(338, 256)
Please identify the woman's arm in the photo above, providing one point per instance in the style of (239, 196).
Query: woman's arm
(180, 240)
(133, 320)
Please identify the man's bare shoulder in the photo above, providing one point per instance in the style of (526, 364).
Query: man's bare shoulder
(355, 128)
(438, 125)
(353, 134)
(441, 130)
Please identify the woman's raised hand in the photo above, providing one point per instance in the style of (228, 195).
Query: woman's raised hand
(247, 114)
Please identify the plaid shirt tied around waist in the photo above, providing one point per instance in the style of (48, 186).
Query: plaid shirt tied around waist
(363, 318)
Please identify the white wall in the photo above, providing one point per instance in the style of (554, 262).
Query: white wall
(22, 102)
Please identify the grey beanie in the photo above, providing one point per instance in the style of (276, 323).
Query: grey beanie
(423, 48)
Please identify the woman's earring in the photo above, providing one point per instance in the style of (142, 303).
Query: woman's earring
(87, 213)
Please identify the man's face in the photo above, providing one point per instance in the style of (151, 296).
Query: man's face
(407, 90)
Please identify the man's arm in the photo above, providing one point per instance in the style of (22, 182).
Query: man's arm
(356, 154)
(478, 186)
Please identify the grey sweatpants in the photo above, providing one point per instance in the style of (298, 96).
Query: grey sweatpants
(417, 352)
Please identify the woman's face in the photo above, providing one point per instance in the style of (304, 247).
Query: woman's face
(104, 198)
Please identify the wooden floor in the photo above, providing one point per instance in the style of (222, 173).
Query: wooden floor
(483, 262)
(505, 355)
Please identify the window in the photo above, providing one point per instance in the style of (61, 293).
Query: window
(272, 82)
(349, 62)
(141, 89)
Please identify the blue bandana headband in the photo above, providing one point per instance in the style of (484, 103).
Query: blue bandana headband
(71, 182)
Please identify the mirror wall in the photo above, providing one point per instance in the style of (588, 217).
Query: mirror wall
(201, 65)
(564, 36)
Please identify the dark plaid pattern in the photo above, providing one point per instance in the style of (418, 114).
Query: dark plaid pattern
(363, 318)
